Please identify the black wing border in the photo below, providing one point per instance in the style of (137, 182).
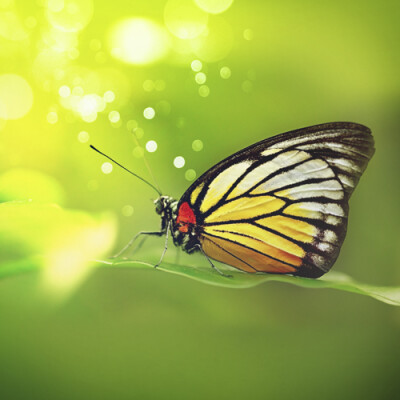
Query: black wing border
(253, 151)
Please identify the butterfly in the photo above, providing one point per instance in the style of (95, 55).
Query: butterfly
(278, 206)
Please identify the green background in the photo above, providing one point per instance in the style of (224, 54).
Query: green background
(147, 334)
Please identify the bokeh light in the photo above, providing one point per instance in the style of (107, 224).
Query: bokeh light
(109, 96)
(200, 78)
(247, 86)
(89, 105)
(106, 168)
(138, 152)
(83, 136)
(204, 91)
(131, 125)
(225, 72)
(196, 65)
(71, 245)
(11, 26)
(127, 210)
(151, 146)
(149, 113)
(184, 20)
(179, 162)
(114, 116)
(64, 91)
(214, 6)
(16, 97)
(248, 34)
(197, 145)
(69, 15)
(159, 85)
(139, 133)
(138, 41)
(148, 85)
(217, 43)
(52, 117)
(190, 175)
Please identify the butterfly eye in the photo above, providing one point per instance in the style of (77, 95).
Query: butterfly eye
(159, 206)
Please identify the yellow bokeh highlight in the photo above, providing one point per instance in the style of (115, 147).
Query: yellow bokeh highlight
(16, 97)
(196, 65)
(214, 6)
(11, 27)
(106, 168)
(215, 44)
(127, 210)
(225, 72)
(89, 105)
(28, 184)
(138, 41)
(69, 15)
(72, 252)
(184, 20)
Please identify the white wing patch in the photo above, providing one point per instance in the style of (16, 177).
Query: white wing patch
(269, 152)
(347, 181)
(312, 169)
(332, 220)
(330, 189)
(344, 164)
(255, 176)
(314, 210)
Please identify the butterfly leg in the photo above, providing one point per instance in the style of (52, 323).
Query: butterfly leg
(165, 247)
(211, 263)
(132, 241)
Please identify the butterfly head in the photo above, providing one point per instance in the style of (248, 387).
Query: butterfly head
(165, 205)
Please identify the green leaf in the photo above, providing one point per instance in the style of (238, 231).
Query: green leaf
(205, 274)
(36, 236)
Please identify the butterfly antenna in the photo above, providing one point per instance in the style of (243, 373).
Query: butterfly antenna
(126, 169)
(147, 164)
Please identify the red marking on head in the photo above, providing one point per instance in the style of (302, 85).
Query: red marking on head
(185, 217)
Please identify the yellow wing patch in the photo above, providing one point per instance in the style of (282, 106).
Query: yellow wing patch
(298, 230)
(245, 207)
(241, 257)
(264, 232)
(195, 193)
(259, 239)
(314, 210)
(222, 183)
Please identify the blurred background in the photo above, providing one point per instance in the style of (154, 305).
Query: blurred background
(183, 84)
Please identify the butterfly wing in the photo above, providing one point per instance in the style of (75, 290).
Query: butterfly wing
(281, 205)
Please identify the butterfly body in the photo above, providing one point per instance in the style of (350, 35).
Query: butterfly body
(278, 206)
(181, 223)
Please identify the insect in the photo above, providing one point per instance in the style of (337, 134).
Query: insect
(278, 206)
